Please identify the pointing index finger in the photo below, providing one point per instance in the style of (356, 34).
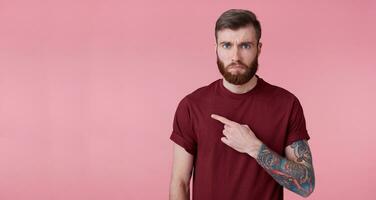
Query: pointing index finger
(222, 119)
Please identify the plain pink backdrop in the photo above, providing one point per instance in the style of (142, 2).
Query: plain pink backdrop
(89, 90)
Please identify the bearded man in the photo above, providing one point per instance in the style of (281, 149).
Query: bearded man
(240, 137)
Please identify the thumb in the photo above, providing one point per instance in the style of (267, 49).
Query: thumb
(225, 140)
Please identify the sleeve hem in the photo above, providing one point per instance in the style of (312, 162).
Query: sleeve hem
(181, 142)
(298, 136)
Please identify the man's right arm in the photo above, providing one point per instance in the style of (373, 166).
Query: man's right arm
(181, 174)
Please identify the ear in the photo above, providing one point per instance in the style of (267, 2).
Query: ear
(259, 48)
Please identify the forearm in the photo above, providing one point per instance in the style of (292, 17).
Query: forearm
(179, 191)
(294, 176)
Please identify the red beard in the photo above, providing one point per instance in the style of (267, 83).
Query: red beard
(238, 79)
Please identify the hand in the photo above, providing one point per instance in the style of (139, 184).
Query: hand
(239, 137)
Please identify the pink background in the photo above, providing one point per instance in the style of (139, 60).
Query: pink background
(89, 90)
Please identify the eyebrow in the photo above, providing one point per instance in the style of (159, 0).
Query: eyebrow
(246, 42)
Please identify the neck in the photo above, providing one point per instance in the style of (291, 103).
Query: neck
(240, 89)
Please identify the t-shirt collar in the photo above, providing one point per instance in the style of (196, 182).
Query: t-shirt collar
(227, 93)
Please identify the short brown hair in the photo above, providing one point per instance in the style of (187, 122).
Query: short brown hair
(237, 18)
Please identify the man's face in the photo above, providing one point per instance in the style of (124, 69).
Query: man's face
(237, 54)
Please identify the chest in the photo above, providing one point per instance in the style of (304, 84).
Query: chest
(269, 122)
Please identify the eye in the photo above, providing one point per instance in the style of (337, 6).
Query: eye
(226, 45)
(246, 46)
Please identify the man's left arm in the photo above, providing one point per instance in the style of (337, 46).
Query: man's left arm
(295, 172)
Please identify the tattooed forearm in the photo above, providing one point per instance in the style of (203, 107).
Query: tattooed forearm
(297, 176)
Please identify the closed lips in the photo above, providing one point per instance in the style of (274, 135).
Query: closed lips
(236, 66)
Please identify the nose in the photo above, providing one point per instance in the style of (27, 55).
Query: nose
(235, 55)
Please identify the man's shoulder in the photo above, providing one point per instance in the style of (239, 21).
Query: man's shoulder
(278, 93)
(202, 93)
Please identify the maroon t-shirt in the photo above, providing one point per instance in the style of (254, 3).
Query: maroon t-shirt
(220, 172)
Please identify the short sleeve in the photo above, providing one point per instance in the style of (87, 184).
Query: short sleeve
(296, 124)
(183, 132)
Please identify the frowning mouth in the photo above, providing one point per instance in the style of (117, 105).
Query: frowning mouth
(236, 67)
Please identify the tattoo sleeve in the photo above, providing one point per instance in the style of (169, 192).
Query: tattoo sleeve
(296, 175)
